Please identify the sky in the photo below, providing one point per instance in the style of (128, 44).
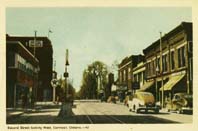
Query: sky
(95, 33)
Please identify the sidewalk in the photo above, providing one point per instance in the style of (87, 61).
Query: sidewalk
(14, 112)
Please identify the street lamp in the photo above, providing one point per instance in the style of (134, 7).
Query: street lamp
(66, 74)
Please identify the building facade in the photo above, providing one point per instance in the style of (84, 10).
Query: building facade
(169, 63)
(125, 72)
(21, 75)
(44, 54)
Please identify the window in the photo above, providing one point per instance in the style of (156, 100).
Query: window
(144, 76)
(149, 69)
(157, 68)
(172, 60)
(164, 63)
(181, 57)
(129, 73)
(140, 77)
(153, 67)
(120, 76)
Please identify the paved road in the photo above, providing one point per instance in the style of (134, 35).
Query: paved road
(115, 113)
(97, 113)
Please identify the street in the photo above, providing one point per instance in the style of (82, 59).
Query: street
(96, 113)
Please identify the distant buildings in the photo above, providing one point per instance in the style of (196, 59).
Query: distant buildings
(125, 73)
(166, 67)
(44, 54)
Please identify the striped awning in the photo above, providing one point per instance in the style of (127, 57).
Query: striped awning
(173, 80)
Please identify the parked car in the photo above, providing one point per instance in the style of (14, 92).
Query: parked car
(181, 103)
(143, 101)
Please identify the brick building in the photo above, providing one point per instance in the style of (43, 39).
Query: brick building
(125, 72)
(21, 74)
(169, 62)
(44, 54)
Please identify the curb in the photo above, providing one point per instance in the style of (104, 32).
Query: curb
(14, 116)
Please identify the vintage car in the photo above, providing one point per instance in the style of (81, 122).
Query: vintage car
(181, 103)
(142, 101)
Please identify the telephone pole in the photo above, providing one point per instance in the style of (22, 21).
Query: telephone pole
(161, 69)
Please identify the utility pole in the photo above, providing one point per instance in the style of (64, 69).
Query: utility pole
(34, 53)
(161, 70)
(66, 74)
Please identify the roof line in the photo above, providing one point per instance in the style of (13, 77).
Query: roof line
(23, 48)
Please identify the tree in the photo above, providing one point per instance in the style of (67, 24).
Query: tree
(94, 79)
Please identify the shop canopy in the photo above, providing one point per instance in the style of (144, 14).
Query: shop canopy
(146, 86)
(173, 80)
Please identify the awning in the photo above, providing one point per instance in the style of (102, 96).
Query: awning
(173, 80)
(147, 85)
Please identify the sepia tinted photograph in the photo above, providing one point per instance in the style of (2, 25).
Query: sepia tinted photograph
(99, 65)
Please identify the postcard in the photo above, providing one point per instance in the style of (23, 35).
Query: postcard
(98, 65)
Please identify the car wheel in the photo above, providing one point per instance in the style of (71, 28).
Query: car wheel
(136, 110)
